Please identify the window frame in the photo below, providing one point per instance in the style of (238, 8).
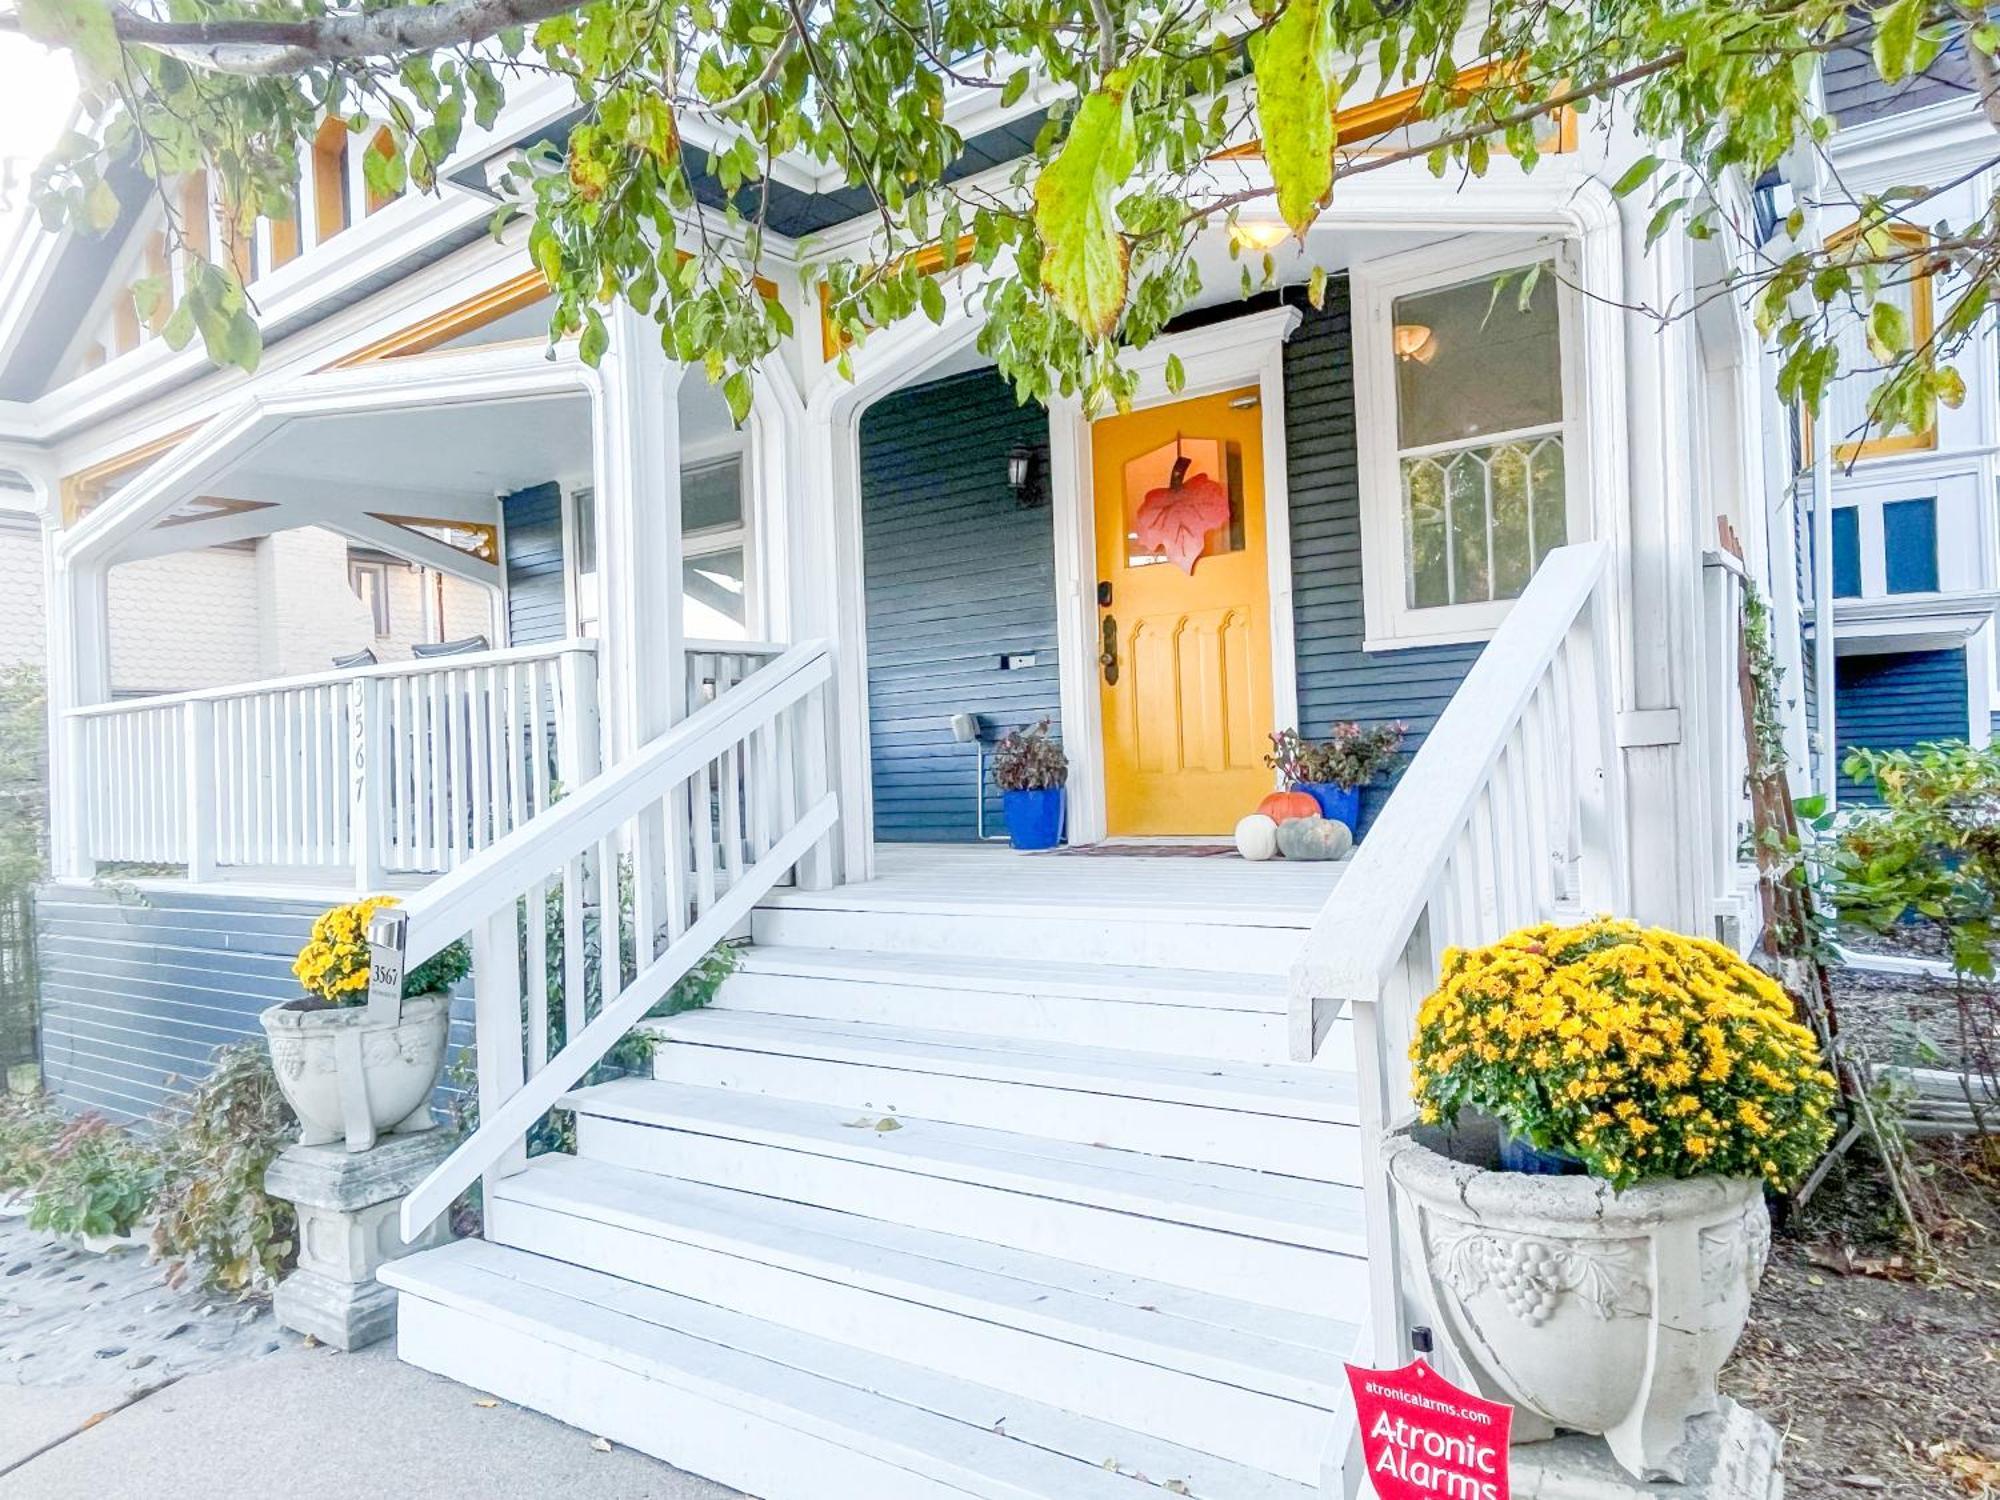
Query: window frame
(1923, 313)
(1390, 622)
(709, 540)
(379, 608)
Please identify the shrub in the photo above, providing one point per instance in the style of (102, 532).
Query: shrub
(1931, 851)
(1352, 755)
(98, 1180)
(1027, 760)
(214, 1214)
(333, 965)
(29, 1126)
(1642, 1053)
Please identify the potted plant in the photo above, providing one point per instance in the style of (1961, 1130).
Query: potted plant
(1673, 1076)
(1333, 771)
(347, 1075)
(1030, 769)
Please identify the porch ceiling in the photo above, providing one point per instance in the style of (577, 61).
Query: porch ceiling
(373, 475)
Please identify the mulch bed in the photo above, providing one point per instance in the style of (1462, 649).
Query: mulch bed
(1884, 1375)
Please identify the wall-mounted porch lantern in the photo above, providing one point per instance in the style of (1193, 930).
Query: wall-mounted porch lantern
(1022, 477)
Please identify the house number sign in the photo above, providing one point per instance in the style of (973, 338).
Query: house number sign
(1425, 1439)
(387, 934)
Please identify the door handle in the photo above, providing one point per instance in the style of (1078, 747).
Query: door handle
(1107, 656)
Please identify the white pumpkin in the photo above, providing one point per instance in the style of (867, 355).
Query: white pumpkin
(1257, 837)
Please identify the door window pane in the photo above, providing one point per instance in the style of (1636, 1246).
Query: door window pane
(1155, 511)
(1479, 428)
(713, 597)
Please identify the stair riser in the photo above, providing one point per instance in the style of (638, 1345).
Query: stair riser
(1281, 1436)
(1208, 947)
(1230, 1263)
(1087, 1021)
(748, 1451)
(1265, 1143)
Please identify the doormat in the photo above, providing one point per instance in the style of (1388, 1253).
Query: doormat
(1145, 851)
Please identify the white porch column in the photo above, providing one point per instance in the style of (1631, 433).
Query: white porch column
(1658, 517)
(827, 605)
(636, 446)
(79, 674)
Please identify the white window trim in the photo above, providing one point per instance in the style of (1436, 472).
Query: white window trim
(1390, 624)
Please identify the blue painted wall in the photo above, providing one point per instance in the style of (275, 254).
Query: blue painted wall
(957, 574)
(533, 525)
(138, 989)
(1897, 701)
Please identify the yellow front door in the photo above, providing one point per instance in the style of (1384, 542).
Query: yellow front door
(1184, 599)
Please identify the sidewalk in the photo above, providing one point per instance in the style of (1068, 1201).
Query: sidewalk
(312, 1422)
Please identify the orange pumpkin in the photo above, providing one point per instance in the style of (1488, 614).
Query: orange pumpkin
(1282, 807)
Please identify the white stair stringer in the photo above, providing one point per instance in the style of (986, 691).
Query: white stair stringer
(937, 1201)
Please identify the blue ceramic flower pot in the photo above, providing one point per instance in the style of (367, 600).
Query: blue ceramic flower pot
(1337, 803)
(1519, 1154)
(1034, 819)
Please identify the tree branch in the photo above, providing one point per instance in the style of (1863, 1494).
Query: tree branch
(258, 48)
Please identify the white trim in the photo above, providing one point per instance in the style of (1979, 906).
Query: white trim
(1219, 356)
(1389, 623)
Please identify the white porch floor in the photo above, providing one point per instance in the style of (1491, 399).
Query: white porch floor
(991, 878)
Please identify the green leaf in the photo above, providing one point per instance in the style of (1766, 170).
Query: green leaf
(1888, 331)
(1086, 262)
(1316, 288)
(83, 26)
(932, 297)
(736, 390)
(1176, 374)
(1016, 87)
(1296, 98)
(100, 206)
(1895, 45)
(1635, 175)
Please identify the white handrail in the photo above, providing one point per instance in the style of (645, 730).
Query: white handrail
(655, 817)
(1510, 813)
(416, 666)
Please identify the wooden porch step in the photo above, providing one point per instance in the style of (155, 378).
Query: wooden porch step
(777, 1413)
(1237, 1017)
(1280, 1241)
(1270, 1117)
(1246, 1383)
(1024, 927)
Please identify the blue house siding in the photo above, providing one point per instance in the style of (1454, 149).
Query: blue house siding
(957, 576)
(533, 523)
(1337, 679)
(139, 989)
(1897, 701)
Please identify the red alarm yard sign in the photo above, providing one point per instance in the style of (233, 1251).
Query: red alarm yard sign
(1425, 1439)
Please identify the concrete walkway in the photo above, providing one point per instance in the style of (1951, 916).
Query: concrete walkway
(311, 1422)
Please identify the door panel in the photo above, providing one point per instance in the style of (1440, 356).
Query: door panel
(1187, 699)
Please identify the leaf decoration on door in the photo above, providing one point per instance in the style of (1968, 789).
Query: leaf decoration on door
(1175, 520)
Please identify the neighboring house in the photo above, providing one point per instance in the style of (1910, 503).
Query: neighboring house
(1912, 529)
(724, 700)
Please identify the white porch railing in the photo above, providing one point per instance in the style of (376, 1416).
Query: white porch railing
(1730, 877)
(621, 877)
(1511, 813)
(411, 767)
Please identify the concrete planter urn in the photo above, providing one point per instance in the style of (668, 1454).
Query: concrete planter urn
(1590, 1310)
(349, 1078)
